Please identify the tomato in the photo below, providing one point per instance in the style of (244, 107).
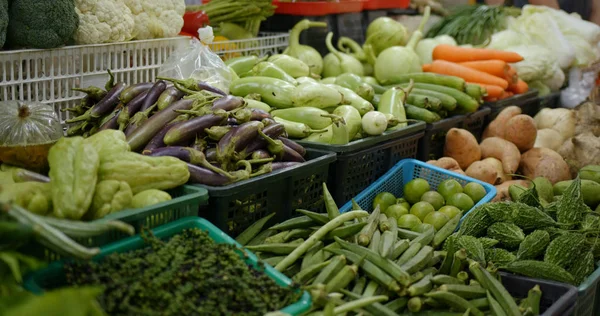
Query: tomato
(421, 209)
(436, 219)
(475, 191)
(433, 198)
(192, 21)
(414, 189)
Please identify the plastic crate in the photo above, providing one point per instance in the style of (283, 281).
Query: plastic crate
(53, 275)
(519, 100)
(186, 201)
(475, 122)
(431, 146)
(588, 300)
(234, 207)
(404, 171)
(385, 4)
(267, 43)
(318, 8)
(550, 101)
(350, 25)
(48, 75)
(558, 299)
(531, 105)
(361, 162)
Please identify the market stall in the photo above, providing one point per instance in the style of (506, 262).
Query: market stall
(353, 157)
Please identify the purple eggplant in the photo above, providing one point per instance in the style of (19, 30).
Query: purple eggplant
(153, 94)
(227, 103)
(237, 139)
(142, 135)
(211, 154)
(281, 151)
(112, 122)
(293, 145)
(204, 176)
(257, 143)
(269, 121)
(131, 109)
(283, 165)
(217, 132)
(259, 115)
(232, 121)
(260, 154)
(105, 106)
(157, 140)
(185, 132)
(169, 96)
(194, 85)
(95, 94)
(188, 155)
(134, 90)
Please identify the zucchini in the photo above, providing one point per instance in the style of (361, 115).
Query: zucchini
(563, 250)
(431, 78)
(499, 256)
(540, 270)
(509, 235)
(476, 222)
(533, 245)
(583, 267)
(488, 243)
(473, 247)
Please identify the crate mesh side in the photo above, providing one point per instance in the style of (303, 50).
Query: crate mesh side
(307, 191)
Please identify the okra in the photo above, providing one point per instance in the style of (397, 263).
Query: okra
(474, 282)
(496, 288)
(397, 304)
(533, 299)
(358, 304)
(337, 263)
(279, 248)
(375, 240)
(373, 271)
(421, 287)
(374, 309)
(419, 261)
(454, 301)
(293, 223)
(432, 303)
(481, 303)
(277, 238)
(313, 255)
(342, 278)
(445, 279)
(463, 276)
(458, 263)
(346, 231)
(365, 235)
(253, 230)
(320, 218)
(415, 304)
(438, 256)
(464, 291)
(371, 289)
(260, 238)
(495, 307)
(332, 210)
(416, 277)
(407, 234)
(430, 270)
(306, 274)
(297, 233)
(384, 225)
(273, 260)
(399, 247)
(359, 285)
(426, 236)
(409, 253)
(446, 231)
(388, 239)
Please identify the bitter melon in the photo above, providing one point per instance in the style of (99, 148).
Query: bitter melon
(563, 250)
(530, 218)
(476, 222)
(500, 212)
(473, 247)
(533, 245)
(570, 208)
(499, 256)
(509, 235)
(583, 266)
(540, 270)
(488, 242)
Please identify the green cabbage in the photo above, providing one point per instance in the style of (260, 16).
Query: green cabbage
(538, 64)
(505, 39)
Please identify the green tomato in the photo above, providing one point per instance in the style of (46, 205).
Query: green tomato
(414, 189)
(461, 200)
(450, 211)
(396, 211)
(408, 221)
(436, 219)
(475, 191)
(433, 198)
(383, 200)
(421, 209)
(448, 188)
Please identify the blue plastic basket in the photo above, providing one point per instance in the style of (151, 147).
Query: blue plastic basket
(404, 171)
(53, 275)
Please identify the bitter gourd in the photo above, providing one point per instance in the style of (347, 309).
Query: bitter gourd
(476, 222)
(499, 256)
(533, 245)
(570, 208)
(500, 212)
(583, 266)
(530, 218)
(509, 235)
(541, 270)
(488, 242)
(473, 247)
(563, 250)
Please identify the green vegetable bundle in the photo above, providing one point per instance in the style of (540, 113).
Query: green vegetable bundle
(247, 14)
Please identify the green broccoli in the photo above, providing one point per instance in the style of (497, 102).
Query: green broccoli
(3, 21)
(41, 23)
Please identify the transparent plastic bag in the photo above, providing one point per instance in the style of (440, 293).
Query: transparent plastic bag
(199, 62)
(581, 85)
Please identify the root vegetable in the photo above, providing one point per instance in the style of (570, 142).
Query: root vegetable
(561, 120)
(445, 163)
(497, 164)
(580, 151)
(459, 171)
(544, 162)
(588, 119)
(497, 127)
(502, 150)
(462, 146)
(521, 131)
(483, 171)
(548, 138)
(502, 193)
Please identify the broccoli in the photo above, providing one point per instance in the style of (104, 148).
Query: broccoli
(3, 21)
(41, 23)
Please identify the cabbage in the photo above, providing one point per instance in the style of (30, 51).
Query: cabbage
(556, 81)
(569, 24)
(585, 53)
(539, 64)
(505, 39)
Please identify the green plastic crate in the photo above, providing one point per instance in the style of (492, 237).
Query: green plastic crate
(53, 276)
(186, 201)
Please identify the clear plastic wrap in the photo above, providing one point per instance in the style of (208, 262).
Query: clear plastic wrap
(199, 62)
(581, 85)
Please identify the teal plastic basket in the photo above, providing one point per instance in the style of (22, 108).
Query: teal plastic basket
(588, 298)
(186, 200)
(404, 171)
(53, 276)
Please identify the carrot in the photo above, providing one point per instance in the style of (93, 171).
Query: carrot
(460, 54)
(498, 68)
(471, 75)
(505, 94)
(493, 91)
(488, 99)
(427, 68)
(518, 88)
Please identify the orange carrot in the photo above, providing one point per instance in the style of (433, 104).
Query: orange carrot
(518, 88)
(460, 54)
(471, 75)
(506, 94)
(498, 68)
(427, 68)
(489, 99)
(493, 91)
(511, 75)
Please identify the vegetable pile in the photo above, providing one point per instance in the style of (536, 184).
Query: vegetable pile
(356, 261)
(189, 274)
(220, 138)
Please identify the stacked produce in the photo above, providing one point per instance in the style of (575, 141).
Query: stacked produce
(359, 261)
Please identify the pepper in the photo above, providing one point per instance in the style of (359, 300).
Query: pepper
(73, 173)
(192, 21)
(110, 196)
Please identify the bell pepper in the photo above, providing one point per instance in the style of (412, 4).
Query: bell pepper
(192, 21)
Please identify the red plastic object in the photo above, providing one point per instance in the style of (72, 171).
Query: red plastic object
(192, 21)
(385, 4)
(318, 8)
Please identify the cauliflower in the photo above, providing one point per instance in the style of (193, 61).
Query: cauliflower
(103, 21)
(157, 18)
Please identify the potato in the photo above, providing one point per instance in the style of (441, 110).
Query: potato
(544, 162)
(502, 150)
(462, 146)
(482, 171)
(521, 131)
(502, 193)
(496, 128)
(497, 164)
(445, 163)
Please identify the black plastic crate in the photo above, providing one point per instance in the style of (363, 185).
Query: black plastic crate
(532, 105)
(350, 25)
(369, 16)
(550, 101)
(520, 100)
(234, 207)
(431, 146)
(361, 162)
(558, 299)
(314, 36)
(475, 122)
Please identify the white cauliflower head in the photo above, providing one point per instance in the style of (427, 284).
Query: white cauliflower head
(103, 21)
(157, 18)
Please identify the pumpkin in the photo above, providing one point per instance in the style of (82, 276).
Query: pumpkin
(27, 131)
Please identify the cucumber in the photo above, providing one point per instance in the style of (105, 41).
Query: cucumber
(424, 101)
(417, 113)
(432, 78)
(464, 101)
(475, 91)
(448, 103)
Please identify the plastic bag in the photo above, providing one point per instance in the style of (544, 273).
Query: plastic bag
(199, 62)
(581, 85)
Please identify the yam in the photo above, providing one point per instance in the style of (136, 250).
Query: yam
(459, 171)
(544, 162)
(497, 126)
(502, 150)
(483, 171)
(462, 146)
(445, 163)
(580, 151)
(497, 164)
(502, 193)
(548, 138)
(521, 131)
(588, 119)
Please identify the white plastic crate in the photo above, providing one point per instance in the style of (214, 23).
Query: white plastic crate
(49, 75)
(265, 43)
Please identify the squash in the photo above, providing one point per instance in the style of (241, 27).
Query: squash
(27, 131)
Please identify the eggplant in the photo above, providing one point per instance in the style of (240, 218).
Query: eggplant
(283, 165)
(157, 140)
(188, 155)
(131, 109)
(260, 154)
(293, 145)
(272, 131)
(111, 123)
(194, 85)
(93, 93)
(133, 91)
(200, 144)
(268, 121)
(227, 103)
(217, 132)
(211, 154)
(105, 106)
(232, 121)
(291, 155)
(237, 139)
(204, 176)
(169, 96)
(142, 135)
(279, 150)
(153, 94)
(259, 115)
(185, 132)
